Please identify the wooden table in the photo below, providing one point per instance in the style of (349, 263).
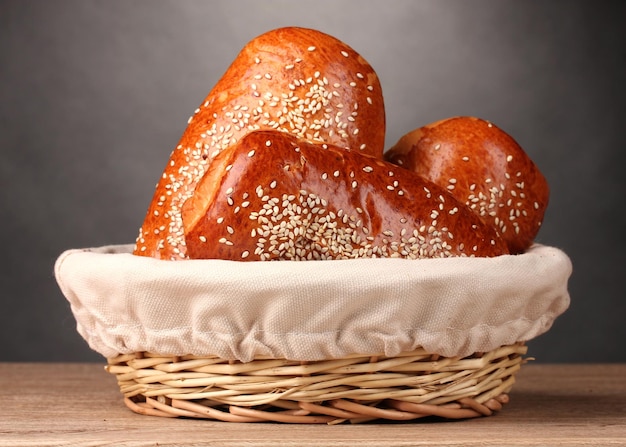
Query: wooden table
(80, 405)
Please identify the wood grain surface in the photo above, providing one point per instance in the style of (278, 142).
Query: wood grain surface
(44, 404)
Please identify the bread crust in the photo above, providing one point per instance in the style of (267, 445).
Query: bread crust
(272, 196)
(294, 80)
(484, 168)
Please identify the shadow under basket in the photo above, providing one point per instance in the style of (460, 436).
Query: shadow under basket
(355, 389)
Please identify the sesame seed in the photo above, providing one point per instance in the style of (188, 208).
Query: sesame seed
(311, 48)
(251, 153)
(344, 54)
(509, 158)
(202, 238)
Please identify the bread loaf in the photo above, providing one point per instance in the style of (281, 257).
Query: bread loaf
(272, 196)
(484, 168)
(294, 80)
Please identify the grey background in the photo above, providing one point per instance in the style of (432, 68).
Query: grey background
(95, 94)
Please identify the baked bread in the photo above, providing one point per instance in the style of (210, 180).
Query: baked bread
(294, 80)
(484, 168)
(272, 196)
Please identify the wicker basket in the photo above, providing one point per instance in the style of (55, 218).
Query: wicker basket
(375, 339)
(355, 389)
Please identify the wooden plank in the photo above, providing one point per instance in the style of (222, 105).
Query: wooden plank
(80, 405)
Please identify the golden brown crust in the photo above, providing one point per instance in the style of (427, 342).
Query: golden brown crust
(483, 167)
(296, 80)
(272, 196)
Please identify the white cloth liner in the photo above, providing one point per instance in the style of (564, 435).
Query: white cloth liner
(311, 310)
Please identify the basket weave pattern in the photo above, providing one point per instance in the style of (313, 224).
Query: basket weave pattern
(356, 389)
